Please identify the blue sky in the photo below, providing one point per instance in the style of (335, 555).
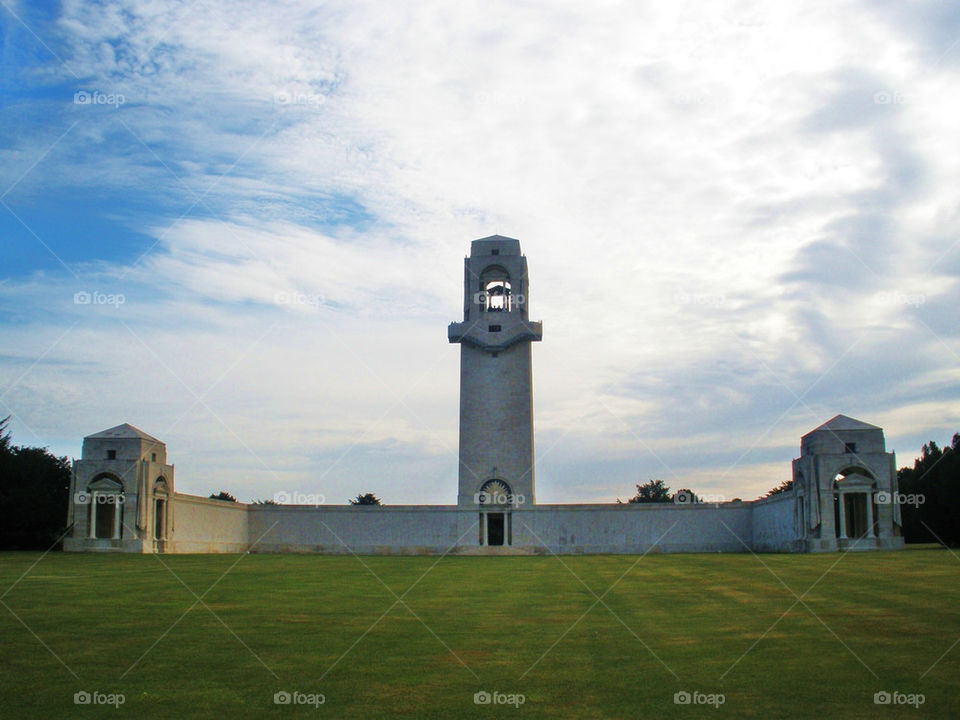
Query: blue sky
(740, 218)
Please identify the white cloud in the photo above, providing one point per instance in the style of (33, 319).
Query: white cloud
(711, 204)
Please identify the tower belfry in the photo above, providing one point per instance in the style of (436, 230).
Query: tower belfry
(496, 380)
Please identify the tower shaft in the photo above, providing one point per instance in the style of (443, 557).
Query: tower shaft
(496, 379)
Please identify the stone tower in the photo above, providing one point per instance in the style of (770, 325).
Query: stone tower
(496, 380)
(120, 493)
(845, 482)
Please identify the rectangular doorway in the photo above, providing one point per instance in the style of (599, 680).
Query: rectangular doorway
(856, 519)
(158, 520)
(494, 528)
(104, 514)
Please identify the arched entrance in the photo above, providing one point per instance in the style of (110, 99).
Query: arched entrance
(855, 511)
(105, 494)
(496, 520)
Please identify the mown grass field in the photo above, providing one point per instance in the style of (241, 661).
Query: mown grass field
(712, 624)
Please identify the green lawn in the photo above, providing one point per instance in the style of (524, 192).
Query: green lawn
(868, 622)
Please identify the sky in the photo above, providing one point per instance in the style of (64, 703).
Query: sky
(240, 227)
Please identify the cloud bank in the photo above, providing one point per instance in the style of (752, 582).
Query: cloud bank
(740, 220)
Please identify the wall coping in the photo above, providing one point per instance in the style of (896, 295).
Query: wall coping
(779, 497)
(199, 500)
(567, 507)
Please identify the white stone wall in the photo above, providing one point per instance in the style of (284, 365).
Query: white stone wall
(345, 529)
(773, 521)
(561, 529)
(634, 528)
(204, 525)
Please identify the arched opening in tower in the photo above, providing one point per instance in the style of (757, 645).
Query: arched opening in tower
(496, 289)
(498, 298)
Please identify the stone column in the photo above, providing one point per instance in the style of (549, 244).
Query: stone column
(117, 510)
(870, 531)
(843, 515)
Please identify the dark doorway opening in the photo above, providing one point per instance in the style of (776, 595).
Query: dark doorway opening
(158, 520)
(856, 515)
(495, 529)
(104, 516)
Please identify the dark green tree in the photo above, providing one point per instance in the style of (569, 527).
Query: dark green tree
(34, 495)
(781, 488)
(652, 491)
(930, 495)
(223, 495)
(366, 499)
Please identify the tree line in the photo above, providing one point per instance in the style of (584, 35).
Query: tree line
(34, 495)
(930, 495)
